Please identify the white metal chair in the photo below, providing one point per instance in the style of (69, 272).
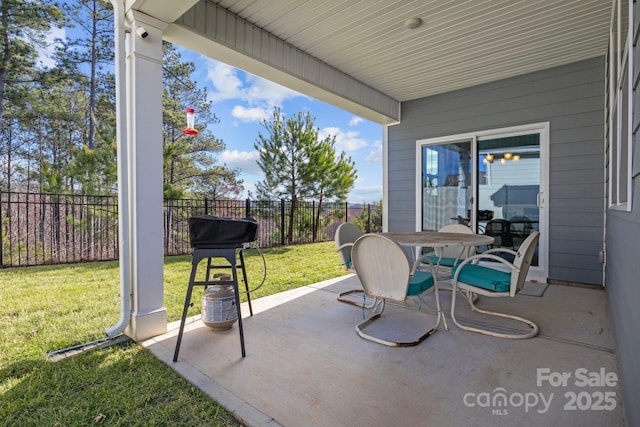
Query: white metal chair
(444, 259)
(490, 282)
(385, 273)
(346, 235)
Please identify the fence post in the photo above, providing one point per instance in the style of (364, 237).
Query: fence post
(282, 222)
(206, 206)
(346, 211)
(313, 221)
(247, 207)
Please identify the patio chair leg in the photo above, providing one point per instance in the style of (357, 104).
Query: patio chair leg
(528, 322)
(380, 305)
(341, 298)
(440, 312)
(361, 326)
(360, 331)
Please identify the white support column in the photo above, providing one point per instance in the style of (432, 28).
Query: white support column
(145, 196)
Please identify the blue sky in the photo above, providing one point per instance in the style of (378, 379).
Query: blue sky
(241, 101)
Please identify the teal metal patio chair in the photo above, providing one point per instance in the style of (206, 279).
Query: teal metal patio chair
(385, 274)
(346, 235)
(481, 280)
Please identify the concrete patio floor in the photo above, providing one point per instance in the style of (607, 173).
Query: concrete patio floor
(305, 365)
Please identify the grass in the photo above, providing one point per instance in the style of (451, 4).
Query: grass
(48, 308)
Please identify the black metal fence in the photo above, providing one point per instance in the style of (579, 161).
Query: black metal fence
(38, 228)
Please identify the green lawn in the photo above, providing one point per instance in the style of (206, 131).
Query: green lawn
(48, 308)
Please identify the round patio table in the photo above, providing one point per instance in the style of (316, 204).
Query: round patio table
(438, 239)
(433, 239)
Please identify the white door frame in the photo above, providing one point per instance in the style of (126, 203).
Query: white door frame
(541, 272)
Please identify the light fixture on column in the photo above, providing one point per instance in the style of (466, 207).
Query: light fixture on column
(191, 117)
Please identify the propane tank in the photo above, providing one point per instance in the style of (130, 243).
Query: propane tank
(219, 310)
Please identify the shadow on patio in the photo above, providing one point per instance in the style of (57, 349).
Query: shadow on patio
(306, 366)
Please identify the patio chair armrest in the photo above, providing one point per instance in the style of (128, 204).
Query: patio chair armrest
(426, 259)
(475, 258)
(423, 259)
(497, 250)
(344, 245)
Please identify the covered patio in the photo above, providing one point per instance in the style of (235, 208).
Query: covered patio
(305, 365)
(432, 73)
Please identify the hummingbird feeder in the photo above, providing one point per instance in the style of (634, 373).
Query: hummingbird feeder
(191, 117)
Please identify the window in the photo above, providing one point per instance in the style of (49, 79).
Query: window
(619, 106)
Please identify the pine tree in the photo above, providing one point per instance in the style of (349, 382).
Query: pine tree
(22, 28)
(333, 176)
(92, 52)
(298, 165)
(190, 162)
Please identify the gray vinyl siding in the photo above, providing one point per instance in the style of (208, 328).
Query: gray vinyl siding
(571, 98)
(623, 270)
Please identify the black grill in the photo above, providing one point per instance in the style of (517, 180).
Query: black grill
(218, 237)
(214, 232)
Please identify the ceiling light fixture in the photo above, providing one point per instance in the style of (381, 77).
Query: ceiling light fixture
(413, 23)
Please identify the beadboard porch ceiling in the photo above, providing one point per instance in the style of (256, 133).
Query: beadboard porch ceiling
(459, 44)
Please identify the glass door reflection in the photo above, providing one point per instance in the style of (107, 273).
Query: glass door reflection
(446, 184)
(508, 188)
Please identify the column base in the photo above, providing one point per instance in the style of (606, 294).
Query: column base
(143, 326)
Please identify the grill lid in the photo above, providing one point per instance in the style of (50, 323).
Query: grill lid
(211, 232)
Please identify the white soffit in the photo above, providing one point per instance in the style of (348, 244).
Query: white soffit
(164, 10)
(459, 44)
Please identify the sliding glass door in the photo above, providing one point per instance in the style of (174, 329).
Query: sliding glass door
(446, 184)
(508, 187)
(493, 181)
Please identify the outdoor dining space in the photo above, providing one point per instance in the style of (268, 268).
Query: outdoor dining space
(306, 366)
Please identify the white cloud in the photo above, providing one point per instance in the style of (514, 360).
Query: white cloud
(246, 161)
(347, 141)
(371, 194)
(225, 81)
(256, 114)
(249, 188)
(260, 95)
(375, 156)
(355, 120)
(46, 52)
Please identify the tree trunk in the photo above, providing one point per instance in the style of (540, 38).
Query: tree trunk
(5, 61)
(92, 87)
(316, 225)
